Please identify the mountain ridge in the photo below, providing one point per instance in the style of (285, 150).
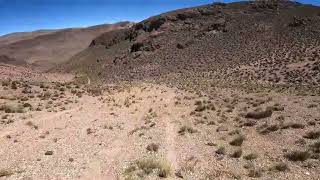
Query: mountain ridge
(44, 49)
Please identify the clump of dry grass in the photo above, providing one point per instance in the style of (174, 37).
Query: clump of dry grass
(269, 128)
(11, 108)
(250, 156)
(95, 91)
(145, 167)
(24, 98)
(14, 85)
(237, 141)
(293, 125)
(312, 105)
(315, 147)
(27, 105)
(5, 83)
(259, 114)
(312, 135)
(255, 172)
(237, 153)
(221, 150)
(200, 108)
(185, 129)
(280, 167)
(297, 155)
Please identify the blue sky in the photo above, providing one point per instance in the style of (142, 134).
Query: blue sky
(29, 15)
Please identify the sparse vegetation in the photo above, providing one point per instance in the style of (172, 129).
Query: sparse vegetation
(293, 125)
(5, 83)
(269, 128)
(148, 166)
(236, 154)
(312, 135)
(298, 155)
(280, 167)
(221, 150)
(315, 147)
(14, 85)
(250, 156)
(237, 141)
(259, 114)
(185, 129)
(255, 172)
(12, 108)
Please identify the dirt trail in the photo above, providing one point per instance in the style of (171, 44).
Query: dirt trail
(170, 141)
(170, 132)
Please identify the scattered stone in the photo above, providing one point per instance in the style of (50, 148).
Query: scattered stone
(48, 153)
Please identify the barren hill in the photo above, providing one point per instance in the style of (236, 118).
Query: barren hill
(47, 48)
(267, 42)
(19, 36)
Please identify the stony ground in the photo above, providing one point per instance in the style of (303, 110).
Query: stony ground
(147, 131)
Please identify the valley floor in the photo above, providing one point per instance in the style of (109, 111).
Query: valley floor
(147, 131)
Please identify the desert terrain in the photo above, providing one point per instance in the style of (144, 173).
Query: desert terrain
(221, 91)
(148, 131)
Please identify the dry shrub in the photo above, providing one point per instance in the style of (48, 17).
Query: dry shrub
(280, 167)
(11, 108)
(185, 129)
(250, 156)
(255, 172)
(237, 153)
(297, 155)
(237, 141)
(312, 135)
(145, 167)
(95, 91)
(259, 114)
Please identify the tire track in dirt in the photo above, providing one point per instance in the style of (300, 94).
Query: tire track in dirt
(170, 132)
(170, 141)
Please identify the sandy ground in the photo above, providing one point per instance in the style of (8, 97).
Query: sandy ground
(73, 136)
(13, 72)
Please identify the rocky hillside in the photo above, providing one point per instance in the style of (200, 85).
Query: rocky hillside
(266, 42)
(44, 49)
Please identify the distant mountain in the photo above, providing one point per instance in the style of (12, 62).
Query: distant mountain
(19, 36)
(46, 48)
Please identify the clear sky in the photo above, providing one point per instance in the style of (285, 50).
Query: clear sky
(29, 15)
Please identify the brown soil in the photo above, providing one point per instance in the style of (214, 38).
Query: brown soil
(66, 135)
